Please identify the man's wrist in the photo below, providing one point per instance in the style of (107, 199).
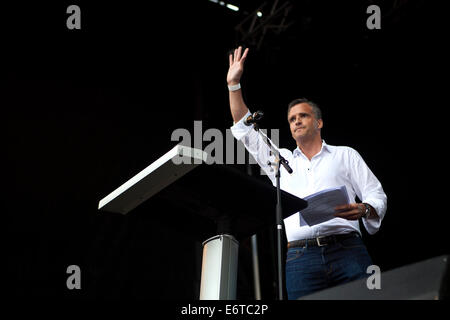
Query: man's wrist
(367, 210)
(232, 82)
(234, 87)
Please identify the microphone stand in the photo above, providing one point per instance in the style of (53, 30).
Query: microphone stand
(279, 211)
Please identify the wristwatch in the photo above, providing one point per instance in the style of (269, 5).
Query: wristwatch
(366, 213)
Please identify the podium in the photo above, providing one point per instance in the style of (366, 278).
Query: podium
(183, 180)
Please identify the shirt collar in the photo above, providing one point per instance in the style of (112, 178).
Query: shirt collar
(325, 147)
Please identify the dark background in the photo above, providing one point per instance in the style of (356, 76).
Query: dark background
(85, 110)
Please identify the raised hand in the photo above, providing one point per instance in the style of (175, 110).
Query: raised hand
(236, 66)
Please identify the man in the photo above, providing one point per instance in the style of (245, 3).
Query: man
(332, 252)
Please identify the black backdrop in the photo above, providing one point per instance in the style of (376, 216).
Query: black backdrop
(85, 110)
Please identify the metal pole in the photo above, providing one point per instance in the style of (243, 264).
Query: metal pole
(255, 260)
(256, 283)
(279, 223)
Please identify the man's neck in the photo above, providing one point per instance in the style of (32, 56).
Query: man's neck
(310, 147)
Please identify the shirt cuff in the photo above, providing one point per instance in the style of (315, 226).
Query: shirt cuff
(372, 225)
(239, 129)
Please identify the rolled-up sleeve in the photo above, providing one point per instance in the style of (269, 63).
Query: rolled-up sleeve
(255, 145)
(239, 129)
(369, 190)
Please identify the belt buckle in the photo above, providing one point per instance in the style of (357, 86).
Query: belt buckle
(318, 241)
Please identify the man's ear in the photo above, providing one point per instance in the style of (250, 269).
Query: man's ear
(320, 124)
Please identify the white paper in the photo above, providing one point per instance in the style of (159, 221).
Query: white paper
(321, 205)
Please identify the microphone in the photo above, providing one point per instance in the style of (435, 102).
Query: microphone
(254, 118)
(285, 164)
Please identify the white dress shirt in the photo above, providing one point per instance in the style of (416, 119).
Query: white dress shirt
(333, 166)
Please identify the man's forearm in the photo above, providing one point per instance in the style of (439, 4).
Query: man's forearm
(237, 105)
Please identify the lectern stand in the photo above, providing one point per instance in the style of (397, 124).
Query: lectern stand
(215, 202)
(219, 268)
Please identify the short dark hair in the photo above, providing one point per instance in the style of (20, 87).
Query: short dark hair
(314, 106)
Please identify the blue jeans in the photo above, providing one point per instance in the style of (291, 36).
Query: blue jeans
(313, 268)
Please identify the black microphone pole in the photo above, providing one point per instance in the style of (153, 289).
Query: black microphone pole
(279, 160)
(279, 221)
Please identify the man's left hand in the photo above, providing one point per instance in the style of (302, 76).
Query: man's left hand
(352, 211)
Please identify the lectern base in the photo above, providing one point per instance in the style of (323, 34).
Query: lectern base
(219, 268)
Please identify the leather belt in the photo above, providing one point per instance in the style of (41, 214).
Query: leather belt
(322, 241)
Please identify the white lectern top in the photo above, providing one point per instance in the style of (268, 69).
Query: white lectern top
(161, 173)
